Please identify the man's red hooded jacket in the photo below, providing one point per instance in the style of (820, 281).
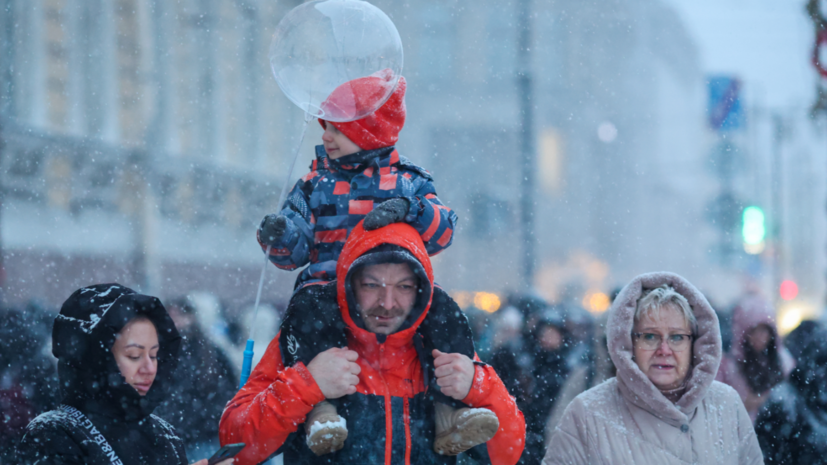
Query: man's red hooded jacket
(390, 417)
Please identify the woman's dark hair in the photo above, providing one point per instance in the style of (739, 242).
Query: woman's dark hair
(762, 369)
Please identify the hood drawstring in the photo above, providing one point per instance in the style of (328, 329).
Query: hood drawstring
(423, 358)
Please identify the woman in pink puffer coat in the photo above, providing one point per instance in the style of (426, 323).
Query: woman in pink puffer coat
(664, 405)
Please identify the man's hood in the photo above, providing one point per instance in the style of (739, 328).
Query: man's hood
(634, 385)
(395, 243)
(82, 339)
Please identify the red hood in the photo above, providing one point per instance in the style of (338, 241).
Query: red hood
(358, 243)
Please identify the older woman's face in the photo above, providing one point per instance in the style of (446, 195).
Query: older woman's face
(665, 367)
(136, 353)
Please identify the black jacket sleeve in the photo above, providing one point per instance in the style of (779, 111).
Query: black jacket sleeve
(313, 324)
(165, 430)
(775, 429)
(446, 327)
(49, 445)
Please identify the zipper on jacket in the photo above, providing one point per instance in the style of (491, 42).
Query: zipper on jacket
(406, 418)
(388, 426)
(388, 409)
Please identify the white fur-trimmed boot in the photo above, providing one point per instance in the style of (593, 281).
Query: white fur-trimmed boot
(326, 430)
(458, 430)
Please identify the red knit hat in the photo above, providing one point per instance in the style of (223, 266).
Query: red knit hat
(380, 128)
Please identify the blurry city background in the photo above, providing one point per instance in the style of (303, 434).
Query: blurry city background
(581, 143)
(144, 140)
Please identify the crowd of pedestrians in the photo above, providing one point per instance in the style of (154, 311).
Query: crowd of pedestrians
(779, 380)
(554, 359)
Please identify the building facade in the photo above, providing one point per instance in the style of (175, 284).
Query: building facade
(144, 140)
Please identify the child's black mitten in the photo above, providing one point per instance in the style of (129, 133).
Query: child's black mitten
(272, 228)
(389, 211)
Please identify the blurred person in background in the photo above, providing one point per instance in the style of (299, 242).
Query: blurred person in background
(801, 336)
(482, 327)
(579, 322)
(725, 321)
(28, 377)
(792, 424)
(598, 369)
(550, 367)
(580, 325)
(757, 360)
(203, 384)
(664, 405)
(509, 357)
(530, 305)
(117, 354)
(215, 323)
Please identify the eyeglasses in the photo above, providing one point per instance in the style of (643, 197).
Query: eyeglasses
(649, 341)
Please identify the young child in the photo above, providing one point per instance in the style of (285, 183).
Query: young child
(358, 175)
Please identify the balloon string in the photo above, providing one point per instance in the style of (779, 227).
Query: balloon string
(258, 293)
(307, 118)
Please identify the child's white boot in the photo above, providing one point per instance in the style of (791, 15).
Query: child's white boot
(326, 430)
(458, 430)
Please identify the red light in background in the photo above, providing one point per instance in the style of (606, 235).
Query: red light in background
(788, 290)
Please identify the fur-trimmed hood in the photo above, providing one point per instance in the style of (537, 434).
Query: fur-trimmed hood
(634, 385)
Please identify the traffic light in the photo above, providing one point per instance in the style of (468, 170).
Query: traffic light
(753, 230)
(788, 289)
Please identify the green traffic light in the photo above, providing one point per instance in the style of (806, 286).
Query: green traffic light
(753, 231)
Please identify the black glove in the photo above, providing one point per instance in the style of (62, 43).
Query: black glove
(389, 211)
(272, 228)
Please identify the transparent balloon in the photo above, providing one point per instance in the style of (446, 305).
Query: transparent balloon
(338, 60)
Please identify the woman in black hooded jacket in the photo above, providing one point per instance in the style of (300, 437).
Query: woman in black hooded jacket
(117, 351)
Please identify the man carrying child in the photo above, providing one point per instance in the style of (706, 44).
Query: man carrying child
(358, 177)
(383, 294)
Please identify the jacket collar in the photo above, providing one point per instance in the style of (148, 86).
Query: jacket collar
(357, 162)
(634, 385)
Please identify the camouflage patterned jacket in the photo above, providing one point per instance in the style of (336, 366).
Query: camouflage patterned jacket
(327, 203)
